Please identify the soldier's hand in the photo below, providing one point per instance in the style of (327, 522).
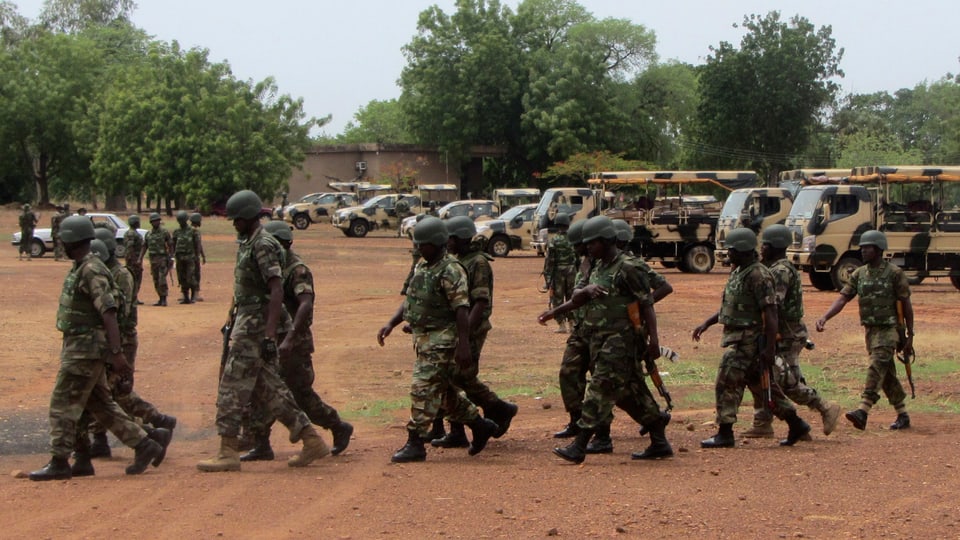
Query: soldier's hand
(383, 333)
(544, 317)
(594, 290)
(463, 356)
(286, 346)
(821, 324)
(268, 349)
(406, 329)
(653, 349)
(698, 331)
(118, 363)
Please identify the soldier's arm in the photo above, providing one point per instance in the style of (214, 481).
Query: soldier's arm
(711, 320)
(391, 324)
(275, 306)
(835, 308)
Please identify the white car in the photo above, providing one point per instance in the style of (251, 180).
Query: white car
(43, 238)
(475, 209)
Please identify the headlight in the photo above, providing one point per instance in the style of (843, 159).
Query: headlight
(809, 243)
(542, 235)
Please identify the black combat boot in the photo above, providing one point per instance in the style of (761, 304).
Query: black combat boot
(858, 418)
(261, 450)
(577, 450)
(186, 298)
(482, 429)
(341, 437)
(502, 413)
(100, 448)
(455, 438)
(798, 428)
(82, 466)
(902, 421)
(57, 469)
(571, 429)
(146, 452)
(723, 439)
(659, 446)
(601, 442)
(412, 451)
(164, 421)
(162, 437)
(436, 430)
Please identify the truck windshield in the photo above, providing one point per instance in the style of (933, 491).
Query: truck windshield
(806, 203)
(374, 202)
(734, 205)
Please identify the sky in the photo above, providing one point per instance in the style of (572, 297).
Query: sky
(339, 55)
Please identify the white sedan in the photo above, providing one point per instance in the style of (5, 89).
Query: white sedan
(43, 238)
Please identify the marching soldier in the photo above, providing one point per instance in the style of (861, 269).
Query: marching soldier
(133, 245)
(28, 222)
(560, 268)
(195, 220)
(185, 251)
(159, 245)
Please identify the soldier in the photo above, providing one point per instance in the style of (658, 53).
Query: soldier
(748, 314)
(159, 245)
(185, 250)
(195, 219)
(296, 349)
(480, 290)
(133, 254)
(55, 221)
(560, 268)
(437, 309)
(249, 373)
(87, 317)
(880, 286)
(122, 388)
(615, 283)
(792, 338)
(28, 222)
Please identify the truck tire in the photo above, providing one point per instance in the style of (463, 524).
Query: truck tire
(840, 275)
(698, 259)
(301, 221)
(821, 281)
(359, 228)
(499, 246)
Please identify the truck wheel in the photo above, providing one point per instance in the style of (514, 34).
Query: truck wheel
(359, 228)
(499, 246)
(821, 281)
(301, 221)
(37, 249)
(841, 272)
(121, 251)
(698, 259)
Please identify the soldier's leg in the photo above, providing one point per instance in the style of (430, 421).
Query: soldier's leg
(296, 370)
(196, 280)
(257, 424)
(782, 407)
(573, 382)
(885, 366)
(795, 387)
(137, 271)
(728, 391)
(556, 298)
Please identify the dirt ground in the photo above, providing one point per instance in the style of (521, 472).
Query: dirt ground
(877, 483)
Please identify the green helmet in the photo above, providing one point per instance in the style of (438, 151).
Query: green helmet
(98, 248)
(26, 208)
(76, 229)
(599, 227)
(742, 240)
(182, 217)
(134, 221)
(462, 227)
(154, 217)
(430, 231)
(244, 204)
(777, 236)
(624, 230)
(561, 220)
(874, 238)
(279, 229)
(106, 236)
(195, 218)
(575, 232)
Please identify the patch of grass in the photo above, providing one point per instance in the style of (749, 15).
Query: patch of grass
(377, 410)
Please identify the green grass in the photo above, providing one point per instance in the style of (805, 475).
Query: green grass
(382, 410)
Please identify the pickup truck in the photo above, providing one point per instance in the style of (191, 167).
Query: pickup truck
(43, 238)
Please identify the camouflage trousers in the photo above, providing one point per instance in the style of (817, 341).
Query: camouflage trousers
(741, 368)
(573, 372)
(296, 370)
(131, 402)
(562, 288)
(196, 274)
(432, 388)
(26, 239)
(616, 381)
(136, 270)
(790, 380)
(185, 273)
(82, 384)
(249, 378)
(159, 264)
(468, 379)
(58, 251)
(882, 373)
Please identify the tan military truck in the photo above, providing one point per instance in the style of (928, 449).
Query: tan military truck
(316, 208)
(755, 208)
(915, 206)
(576, 202)
(508, 232)
(507, 198)
(381, 212)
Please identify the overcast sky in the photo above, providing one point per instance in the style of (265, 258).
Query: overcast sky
(339, 55)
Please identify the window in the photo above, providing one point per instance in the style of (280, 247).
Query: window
(842, 206)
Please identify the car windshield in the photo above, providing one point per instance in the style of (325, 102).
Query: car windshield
(806, 203)
(514, 212)
(378, 201)
(734, 205)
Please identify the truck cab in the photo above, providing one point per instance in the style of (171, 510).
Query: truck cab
(754, 208)
(576, 202)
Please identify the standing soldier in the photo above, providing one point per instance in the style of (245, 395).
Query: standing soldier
(185, 250)
(28, 222)
(560, 268)
(883, 293)
(296, 349)
(55, 221)
(195, 219)
(748, 313)
(133, 254)
(792, 337)
(159, 245)
(437, 309)
(87, 317)
(250, 371)
(480, 290)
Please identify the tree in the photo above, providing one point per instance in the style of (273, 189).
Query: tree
(378, 121)
(579, 167)
(760, 104)
(73, 16)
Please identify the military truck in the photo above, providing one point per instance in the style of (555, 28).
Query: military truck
(915, 206)
(381, 212)
(755, 208)
(507, 198)
(577, 202)
(315, 208)
(509, 231)
(672, 225)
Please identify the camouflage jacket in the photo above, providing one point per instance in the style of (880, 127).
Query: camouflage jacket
(878, 290)
(28, 220)
(437, 289)
(479, 282)
(787, 283)
(88, 292)
(159, 242)
(55, 221)
(297, 280)
(185, 242)
(749, 290)
(127, 318)
(560, 256)
(625, 284)
(133, 243)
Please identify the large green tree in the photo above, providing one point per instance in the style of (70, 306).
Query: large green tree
(761, 103)
(379, 122)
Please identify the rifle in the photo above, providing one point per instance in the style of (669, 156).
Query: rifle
(547, 285)
(907, 357)
(226, 330)
(633, 311)
(766, 376)
(170, 273)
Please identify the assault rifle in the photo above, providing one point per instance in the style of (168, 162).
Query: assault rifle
(908, 357)
(226, 330)
(633, 311)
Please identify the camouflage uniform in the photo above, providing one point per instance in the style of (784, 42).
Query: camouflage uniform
(88, 292)
(248, 376)
(28, 222)
(185, 253)
(133, 258)
(560, 268)
(201, 256)
(55, 221)
(435, 293)
(878, 290)
(480, 287)
(576, 356)
(415, 255)
(158, 243)
(748, 291)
